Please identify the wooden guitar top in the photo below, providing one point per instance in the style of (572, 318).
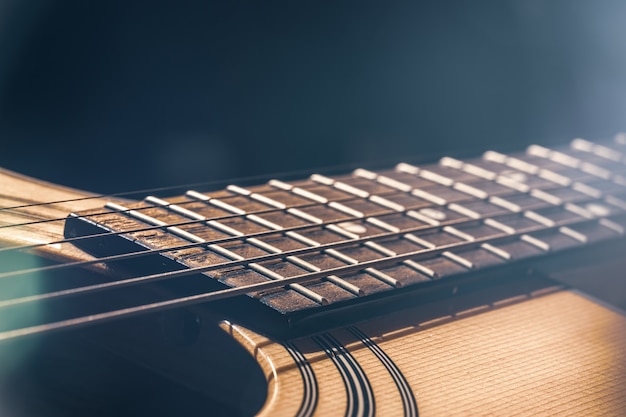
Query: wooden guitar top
(550, 354)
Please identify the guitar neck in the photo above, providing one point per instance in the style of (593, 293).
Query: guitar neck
(323, 244)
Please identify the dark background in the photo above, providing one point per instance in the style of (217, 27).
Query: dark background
(118, 95)
(112, 96)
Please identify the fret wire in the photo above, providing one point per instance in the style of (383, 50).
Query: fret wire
(104, 212)
(99, 196)
(605, 152)
(599, 150)
(464, 210)
(570, 161)
(407, 258)
(573, 208)
(421, 268)
(468, 189)
(423, 216)
(473, 191)
(409, 169)
(332, 252)
(118, 257)
(547, 197)
(458, 259)
(611, 225)
(535, 242)
(438, 178)
(379, 248)
(294, 259)
(376, 199)
(536, 217)
(574, 234)
(498, 225)
(79, 238)
(288, 231)
(340, 186)
(601, 221)
(577, 186)
(277, 206)
(416, 239)
(365, 195)
(497, 251)
(609, 199)
(456, 232)
(213, 247)
(28, 246)
(537, 193)
(143, 253)
(469, 168)
(381, 223)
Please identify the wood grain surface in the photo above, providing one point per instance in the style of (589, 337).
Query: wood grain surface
(548, 354)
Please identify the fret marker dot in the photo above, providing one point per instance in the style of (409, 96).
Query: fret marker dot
(433, 213)
(514, 175)
(598, 209)
(351, 227)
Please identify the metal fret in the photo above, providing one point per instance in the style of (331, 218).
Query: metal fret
(381, 276)
(433, 234)
(475, 193)
(536, 193)
(431, 214)
(535, 242)
(456, 232)
(293, 259)
(577, 186)
(229, 254)
(573, 234)
(612, 225)
(497, 251)
(570, 161)
(458, 259)
(599, 150)
(363, 194)
(377, 222)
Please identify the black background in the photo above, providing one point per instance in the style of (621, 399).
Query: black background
(117, 95)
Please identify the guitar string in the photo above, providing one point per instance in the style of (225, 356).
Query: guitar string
(282, 283)
(255, 178)
(226, 239)
(106, 212)
(293, 173)
(23, 247)
(251, 288)
(384, 261)
(169, 188)
(147, 228)
(144, 253)
(59, 219)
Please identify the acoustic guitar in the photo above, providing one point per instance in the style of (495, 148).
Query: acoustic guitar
(444, 289)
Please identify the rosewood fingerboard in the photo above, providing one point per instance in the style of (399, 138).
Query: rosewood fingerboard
(372, 234)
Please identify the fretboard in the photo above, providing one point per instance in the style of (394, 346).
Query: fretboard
(345, 238)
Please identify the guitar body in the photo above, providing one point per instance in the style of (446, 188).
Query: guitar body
(552, 354)
(533, 348)
(522, 342)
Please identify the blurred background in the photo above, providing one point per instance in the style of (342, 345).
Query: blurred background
(119, 95)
